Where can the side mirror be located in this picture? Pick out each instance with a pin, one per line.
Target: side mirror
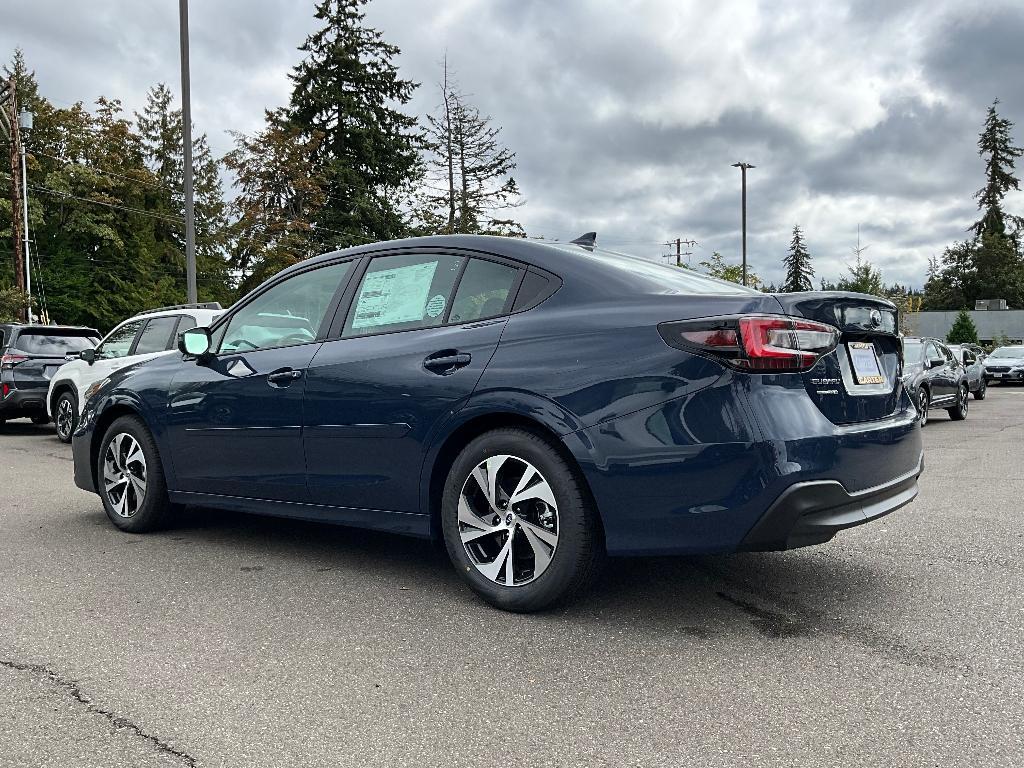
(89, 355)
(936, 362)
(195, 342)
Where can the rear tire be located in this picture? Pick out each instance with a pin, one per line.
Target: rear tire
(924, 403)
(959, 411)
(65, 416)
(981, 391)
(549, 544)
(130, 478)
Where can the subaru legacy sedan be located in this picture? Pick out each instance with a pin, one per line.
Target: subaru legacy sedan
(535, 406)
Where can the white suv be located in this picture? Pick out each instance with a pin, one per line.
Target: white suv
(142, 337)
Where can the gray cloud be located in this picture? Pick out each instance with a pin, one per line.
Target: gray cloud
(627, 117)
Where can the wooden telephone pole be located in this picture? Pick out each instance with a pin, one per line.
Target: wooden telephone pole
(10, 123)
(679, 242)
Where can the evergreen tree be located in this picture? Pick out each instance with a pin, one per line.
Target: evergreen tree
(864, 277)
(278, 199)
(798, 265)
(963, 331)
(161, 130)
(346, 88)
(996, 147)
(468, 171)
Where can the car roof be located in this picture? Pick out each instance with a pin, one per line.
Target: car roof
(195, 312)
(49, 328)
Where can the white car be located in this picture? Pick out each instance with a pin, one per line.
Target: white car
(139, 338)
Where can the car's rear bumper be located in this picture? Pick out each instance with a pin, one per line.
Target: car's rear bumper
(815, 511)
(23, 402)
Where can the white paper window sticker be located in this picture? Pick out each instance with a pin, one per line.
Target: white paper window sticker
(393, 296)
(435, 306)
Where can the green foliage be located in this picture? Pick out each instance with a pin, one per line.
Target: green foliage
(346, 90)
(990, 265)
(716, 266)
(864, 277)
(13, 303)
(963, 331)
(798, 265)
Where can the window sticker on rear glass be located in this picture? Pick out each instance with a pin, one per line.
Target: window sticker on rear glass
(865, 363)
(394, 295)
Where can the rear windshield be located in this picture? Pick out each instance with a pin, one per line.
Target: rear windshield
(662, 277)
(49, 343)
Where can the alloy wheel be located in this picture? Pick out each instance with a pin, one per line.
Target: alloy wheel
(924, 408)
(965, 398)
(65, 418)
(508, 520)
(124, 474)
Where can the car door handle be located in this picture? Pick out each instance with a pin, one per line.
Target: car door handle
(284, 377)
(447, 361)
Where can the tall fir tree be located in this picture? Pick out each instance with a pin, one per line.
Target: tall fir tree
(997, 149)
(347, 89)
(964, 330)
(798, 265)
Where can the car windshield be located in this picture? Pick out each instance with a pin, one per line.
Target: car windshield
(1008, 352)
(47, 343)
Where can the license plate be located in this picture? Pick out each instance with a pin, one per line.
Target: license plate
(998, 375)
(864, 359)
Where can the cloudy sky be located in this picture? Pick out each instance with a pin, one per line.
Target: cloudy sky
(626, 116)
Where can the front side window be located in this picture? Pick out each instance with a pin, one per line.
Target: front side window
(401, 293)
(156, 335)
(289, 313)
(119, 342)
(483, 291)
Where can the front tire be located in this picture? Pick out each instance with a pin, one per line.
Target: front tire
(924, 403)
(130, 477)
(959, 411)
(518, 523)
(66, 416)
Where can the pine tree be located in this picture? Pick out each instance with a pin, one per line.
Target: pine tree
(346, 89)
(278, 198)
(963, 331)
(864, 278)
(798, 265)
(996, 147)
(468, 171)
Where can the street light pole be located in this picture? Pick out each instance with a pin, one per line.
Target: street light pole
(186, 128)
(743, 171)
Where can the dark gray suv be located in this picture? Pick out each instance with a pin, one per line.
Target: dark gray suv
(29, 356)
(935, 378)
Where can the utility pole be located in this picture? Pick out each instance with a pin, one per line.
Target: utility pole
(679, 242)
(186, 129)
(25, 122)
(743, 170)
(9, 120)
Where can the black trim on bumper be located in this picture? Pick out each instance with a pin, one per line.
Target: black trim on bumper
(22, 403)
(815, 511)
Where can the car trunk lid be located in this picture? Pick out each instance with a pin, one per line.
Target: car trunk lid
(860, 380)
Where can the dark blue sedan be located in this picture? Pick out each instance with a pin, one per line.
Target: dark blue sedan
(537, 406)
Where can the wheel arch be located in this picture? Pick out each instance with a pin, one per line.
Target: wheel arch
(65, 385)
(459, 437)
(103, 421)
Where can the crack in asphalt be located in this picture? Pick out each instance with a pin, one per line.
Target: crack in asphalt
(47, 454)
(72, 688)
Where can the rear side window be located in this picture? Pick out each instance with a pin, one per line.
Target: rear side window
(119, 342)
(401, 293)
(43, 343)
(156, 336)
(483, 291)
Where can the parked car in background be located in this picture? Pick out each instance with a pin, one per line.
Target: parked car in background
(935, 378)
(30, 355)
(973, 363)
(139, 338)
(1005, 365)
(534, 405)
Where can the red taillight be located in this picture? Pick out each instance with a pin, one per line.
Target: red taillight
(7, 389)
(10, 360)
(767, 343)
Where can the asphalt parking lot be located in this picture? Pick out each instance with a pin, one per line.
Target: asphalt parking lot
(242, 641)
